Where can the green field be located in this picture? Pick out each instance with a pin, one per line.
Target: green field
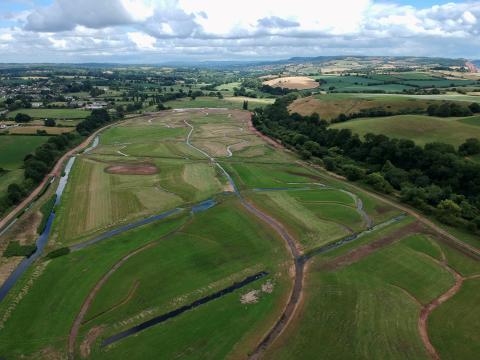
(419, 128)
(454, 327)
(360, 300)
(211, 102)
(13, 150)
(51, 113)
(366, 310)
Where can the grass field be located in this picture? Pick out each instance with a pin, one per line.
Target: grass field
(419, 128)
(329, 106)
(13, 149)
(455, 326)
(32, 325)
(364, 307)
(32, 130)
(366, 310)
(211, 102)
(51, 113)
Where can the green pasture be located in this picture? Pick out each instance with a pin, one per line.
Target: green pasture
(51, 113)
(454, 327)
(365, 310)
(212, 102)
(13, 149)
(419, 128)
(32, 324)
(215, 249)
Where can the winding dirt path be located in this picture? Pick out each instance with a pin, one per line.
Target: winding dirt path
(296, 294)
(292, 244)
(443, 234)
(428, 309)
(91, 296)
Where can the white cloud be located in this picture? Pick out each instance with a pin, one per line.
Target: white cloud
(249, 28)
(143, 41)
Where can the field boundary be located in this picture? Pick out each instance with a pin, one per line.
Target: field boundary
(55, 172)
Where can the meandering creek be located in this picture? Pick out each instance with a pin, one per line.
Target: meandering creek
(41, 241)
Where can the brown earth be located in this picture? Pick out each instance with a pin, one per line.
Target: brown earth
(91, 296)
(293, 82)
(267, 139)
(363, 251)
(86, 345)
(330, 107)
(127, 169)
(427, 310)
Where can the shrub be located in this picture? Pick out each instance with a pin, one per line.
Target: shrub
(59, 252)
(14, 248)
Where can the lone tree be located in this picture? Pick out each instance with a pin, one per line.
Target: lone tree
(245, 105)
(22, 118)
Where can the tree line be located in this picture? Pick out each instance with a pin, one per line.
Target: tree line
(38, 164)
(436, 178)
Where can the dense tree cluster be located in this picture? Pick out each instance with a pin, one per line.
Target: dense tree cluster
(435, 178)
(22, 118)
(447, 109)
(96, 119)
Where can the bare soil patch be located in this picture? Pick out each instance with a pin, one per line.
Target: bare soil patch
(293, 82)
(86, 345)
(91, 296)
(363, 251)
(427, 310)
(132, 169)
(249, 298)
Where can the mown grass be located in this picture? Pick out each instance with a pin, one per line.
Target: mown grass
(211, 102)
(45, 314)
(312, 224)
(225, 244)
(366, 310)
(94, 200)
(454, 327)
(52, 113)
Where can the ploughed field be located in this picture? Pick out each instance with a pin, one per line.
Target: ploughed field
(190, 235)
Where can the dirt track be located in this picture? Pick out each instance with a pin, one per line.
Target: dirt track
(363, 251)
(132, 169)
(427, 310)
(91, 296)
(443, 234)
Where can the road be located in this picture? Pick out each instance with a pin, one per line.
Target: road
(56, 171)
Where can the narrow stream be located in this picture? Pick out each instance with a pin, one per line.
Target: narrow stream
(41, 241)
(95, 143)
(124, 228)
(350, 238)
(162, 318)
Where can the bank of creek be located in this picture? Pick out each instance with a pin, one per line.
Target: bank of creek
(41, 241)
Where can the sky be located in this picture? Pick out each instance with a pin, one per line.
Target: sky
(156, 31)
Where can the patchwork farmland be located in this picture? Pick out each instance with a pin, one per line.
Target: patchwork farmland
(185, 234)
